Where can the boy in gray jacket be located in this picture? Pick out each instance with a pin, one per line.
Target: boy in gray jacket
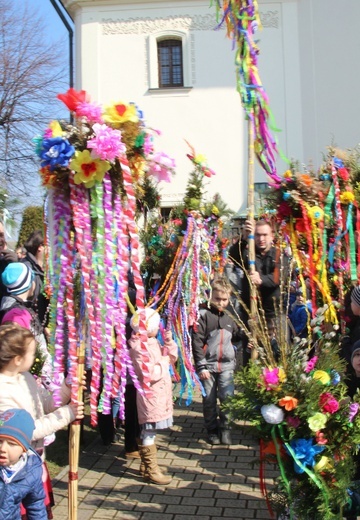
(214, 356)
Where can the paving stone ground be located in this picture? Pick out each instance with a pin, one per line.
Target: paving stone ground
(209, 482)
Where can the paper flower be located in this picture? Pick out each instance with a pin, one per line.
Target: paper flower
(88, 170)
(305, 179)
(322, 376)
(73, 97)
(317, 422)
(272, 414)
(328, 403)
(293, 421)
(305, 452)
(353, 410)
(288, 402)
(316, 213)
(311, 364)
(344, 174)
(323, 464)
(288, 174)
(106, 144)
(91, 111)
(120, 113)
(54, 130)
(320, 438)
(56, 152)
(271, 377)
(347, 197)
(161, 166)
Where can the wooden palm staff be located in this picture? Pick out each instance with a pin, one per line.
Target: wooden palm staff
(251, 238)
(74, 442)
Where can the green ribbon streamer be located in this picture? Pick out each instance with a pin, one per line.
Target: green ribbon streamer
(327, 215)
(353, 269)
(281, 467)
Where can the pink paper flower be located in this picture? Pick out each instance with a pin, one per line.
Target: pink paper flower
(328, 403)
(91, 111)
(271, 377)
(161, 166)
(106, 144)
(311, 364)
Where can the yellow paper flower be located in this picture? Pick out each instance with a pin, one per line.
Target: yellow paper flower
(200, 159)
(288, 174)
(56, 129)
(321, 376)
(214, 210)
(88, 170)
(120, 113)
(282, 375)
(316, 213)
(347, 197)
(323, 464)
(317, 421)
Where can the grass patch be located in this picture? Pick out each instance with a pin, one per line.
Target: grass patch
(57, 454)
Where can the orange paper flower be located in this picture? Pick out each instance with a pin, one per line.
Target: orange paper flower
(288, 402)
(306, 179)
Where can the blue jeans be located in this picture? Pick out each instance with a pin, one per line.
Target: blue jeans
(219, 385)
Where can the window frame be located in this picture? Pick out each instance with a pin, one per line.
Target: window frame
(153, 60)
(171, 43)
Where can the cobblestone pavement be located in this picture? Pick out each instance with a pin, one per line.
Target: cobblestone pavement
(209, 482)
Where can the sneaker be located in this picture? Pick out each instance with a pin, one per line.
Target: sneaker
(226, 437)
(213, 438)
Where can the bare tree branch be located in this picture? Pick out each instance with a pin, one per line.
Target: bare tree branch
(33, 72)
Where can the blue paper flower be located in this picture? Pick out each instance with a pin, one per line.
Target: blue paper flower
(305, 451)
(338, 163)
(286, 195)
(335, 377)
(56, 152)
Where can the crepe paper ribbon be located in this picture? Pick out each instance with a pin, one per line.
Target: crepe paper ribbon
(129, 217)
(266, 448)
(242, 19)
(120, 312)
(61, 257)
(352, 244)
(339, 230)
(281, 468)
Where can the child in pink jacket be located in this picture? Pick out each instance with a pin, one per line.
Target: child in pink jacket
(155, 405)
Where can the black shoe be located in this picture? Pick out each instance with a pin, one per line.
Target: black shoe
(213, 438)
(226, 437)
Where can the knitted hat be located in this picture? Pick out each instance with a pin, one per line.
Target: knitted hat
(355, 295)
(20, 316)
(355, 348)
(17, 278)
(152, 319)
(18, 425)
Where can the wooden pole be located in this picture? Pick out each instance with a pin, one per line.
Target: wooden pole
(74, 443)
(251, 217)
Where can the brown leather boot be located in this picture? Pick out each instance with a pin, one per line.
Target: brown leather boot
(152, 470)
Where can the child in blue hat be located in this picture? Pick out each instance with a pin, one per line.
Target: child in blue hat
(20, 468)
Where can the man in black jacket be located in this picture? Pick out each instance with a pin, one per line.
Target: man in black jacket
(266, 276)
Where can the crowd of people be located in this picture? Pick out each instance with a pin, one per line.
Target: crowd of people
(216, 339)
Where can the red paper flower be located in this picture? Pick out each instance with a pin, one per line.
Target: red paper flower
(344, 174)
(328, 403)
(72, 98)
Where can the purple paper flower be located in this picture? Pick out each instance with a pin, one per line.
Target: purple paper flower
(353, 410)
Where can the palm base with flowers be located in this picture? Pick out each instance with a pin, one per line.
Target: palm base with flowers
(300, 404)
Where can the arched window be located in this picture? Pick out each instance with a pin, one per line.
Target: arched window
(170, 63)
